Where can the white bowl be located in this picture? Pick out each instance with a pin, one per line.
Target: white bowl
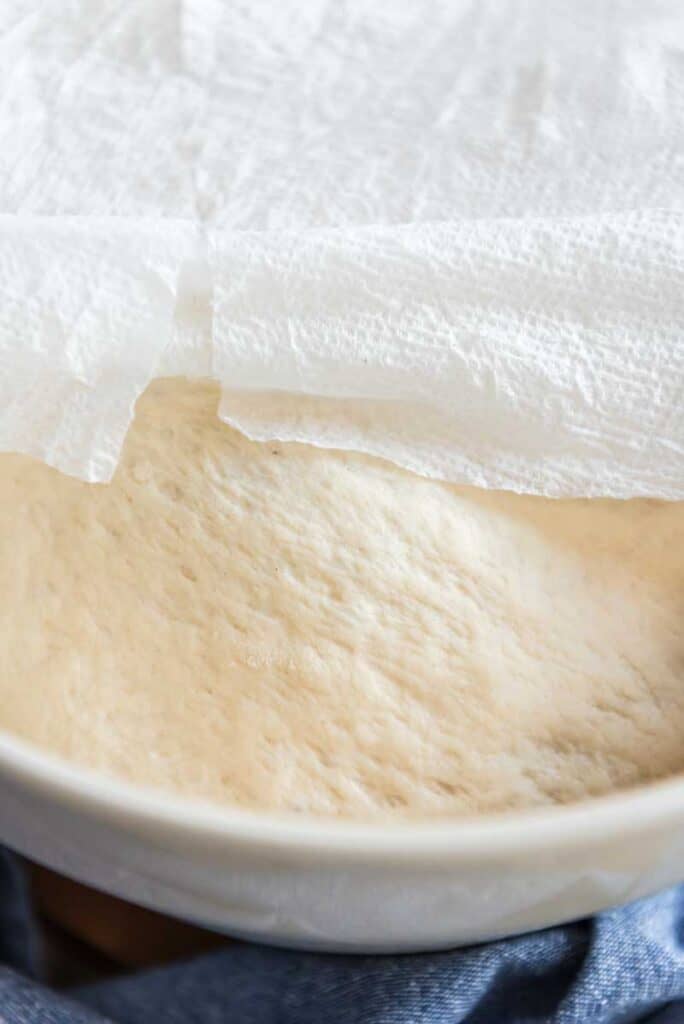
(335, 885)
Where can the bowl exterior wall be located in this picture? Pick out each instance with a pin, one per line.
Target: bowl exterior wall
(324, 900)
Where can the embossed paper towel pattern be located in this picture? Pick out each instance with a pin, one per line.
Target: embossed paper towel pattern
(449, 233)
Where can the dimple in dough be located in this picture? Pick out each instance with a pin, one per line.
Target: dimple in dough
(282, 627)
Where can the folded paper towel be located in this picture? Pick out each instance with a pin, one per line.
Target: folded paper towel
(447, 233)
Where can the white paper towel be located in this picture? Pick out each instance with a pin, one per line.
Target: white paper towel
(86, 309)
(446, 232)
(560, 373)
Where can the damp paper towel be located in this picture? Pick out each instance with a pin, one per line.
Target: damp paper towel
(450, 233)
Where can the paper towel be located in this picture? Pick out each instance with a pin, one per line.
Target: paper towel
(561, 374)
(86, 309)
(449, 233)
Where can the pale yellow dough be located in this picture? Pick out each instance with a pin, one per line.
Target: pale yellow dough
(278, 626)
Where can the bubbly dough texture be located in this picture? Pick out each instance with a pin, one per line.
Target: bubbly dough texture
(282, 627)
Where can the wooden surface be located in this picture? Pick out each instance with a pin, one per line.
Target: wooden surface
(110, 931)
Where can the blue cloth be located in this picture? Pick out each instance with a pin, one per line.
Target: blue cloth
(623, 966)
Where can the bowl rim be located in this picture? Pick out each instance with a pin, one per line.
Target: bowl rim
(477, 838)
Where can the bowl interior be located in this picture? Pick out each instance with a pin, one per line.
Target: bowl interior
(594, 820)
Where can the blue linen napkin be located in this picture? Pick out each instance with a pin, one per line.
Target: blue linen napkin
(622, 966)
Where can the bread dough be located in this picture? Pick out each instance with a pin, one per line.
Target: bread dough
(283, 627)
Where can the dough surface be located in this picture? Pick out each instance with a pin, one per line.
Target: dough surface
(282, 627)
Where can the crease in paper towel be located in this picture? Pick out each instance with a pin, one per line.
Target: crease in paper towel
(542, 356)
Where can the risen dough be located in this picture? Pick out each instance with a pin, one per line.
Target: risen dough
(283, 627)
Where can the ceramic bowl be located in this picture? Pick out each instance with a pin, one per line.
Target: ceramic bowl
(341, 886)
